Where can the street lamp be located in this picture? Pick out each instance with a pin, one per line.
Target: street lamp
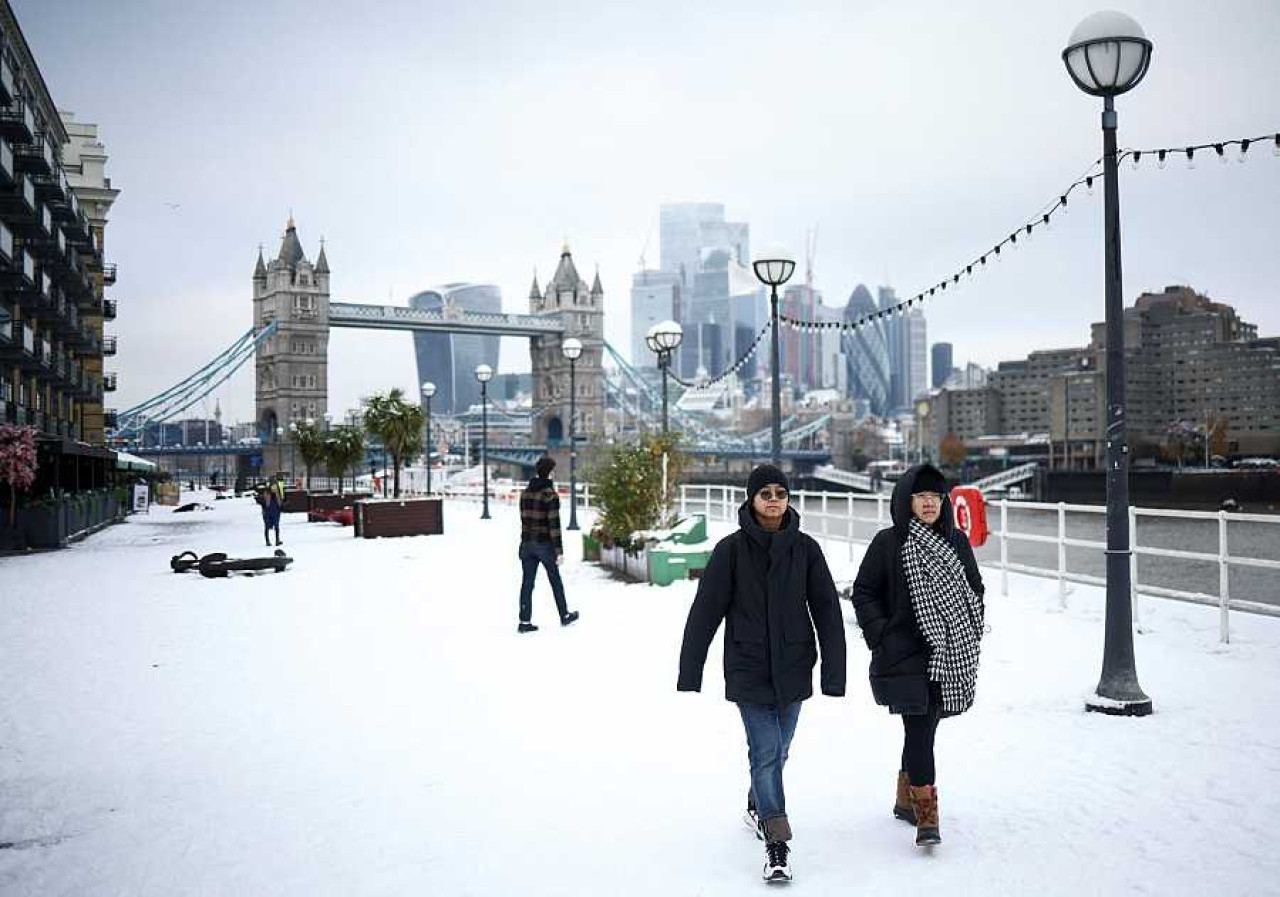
(428, 392)
(774, 267)
(663, 339)
(572, 348)
(484, 374)
(922, 412)
(1107, 55)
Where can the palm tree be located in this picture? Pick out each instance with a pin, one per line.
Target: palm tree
(311, 447)
(398, 424)
(344, 450)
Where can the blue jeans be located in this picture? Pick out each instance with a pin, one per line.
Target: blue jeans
(769, 732)
(531, 555)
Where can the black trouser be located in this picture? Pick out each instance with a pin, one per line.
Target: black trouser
(918, 731)
(531, 555)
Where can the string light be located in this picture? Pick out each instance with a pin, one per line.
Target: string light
(1026, 230)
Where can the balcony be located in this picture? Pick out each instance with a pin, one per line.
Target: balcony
(35, 156)
(78, 230)
(8, 87)
(18, 122)
(109, 275)
(75, 376)
(38, 226)
(7, 171)
(20, 348)
(21, 273)
(53, 188)
(109, 346)
(108, 309)
(109, 382)
(18, 199)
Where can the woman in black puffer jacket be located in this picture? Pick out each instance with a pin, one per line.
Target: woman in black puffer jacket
(770, 585)
(918, 597)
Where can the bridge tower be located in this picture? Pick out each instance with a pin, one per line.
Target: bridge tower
(579, 308)
(292, 367)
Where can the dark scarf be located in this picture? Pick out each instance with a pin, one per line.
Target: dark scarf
(950, 614)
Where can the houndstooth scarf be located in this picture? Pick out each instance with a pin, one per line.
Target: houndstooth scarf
(950, 614)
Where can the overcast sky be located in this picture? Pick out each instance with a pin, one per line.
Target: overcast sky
(436, 141)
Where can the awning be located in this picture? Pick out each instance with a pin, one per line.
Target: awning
(126, 461)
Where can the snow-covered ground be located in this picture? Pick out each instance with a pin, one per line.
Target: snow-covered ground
(369, 723)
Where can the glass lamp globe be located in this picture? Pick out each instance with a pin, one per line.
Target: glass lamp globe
(1107, 54)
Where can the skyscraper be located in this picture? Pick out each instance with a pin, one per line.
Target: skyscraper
(906, 335)
(687, 229)
(942, 360)
(866, 354)
(655, 297)
(449, 360)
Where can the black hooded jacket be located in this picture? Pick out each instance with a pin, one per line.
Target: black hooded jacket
(899, 653)
(772, 590)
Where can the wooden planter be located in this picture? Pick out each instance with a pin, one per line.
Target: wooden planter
(330, 501)
(295, 501)
(399, 517)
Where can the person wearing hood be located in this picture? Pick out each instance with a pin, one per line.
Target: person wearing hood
(770, 585)
(918, 598)
(540, 543)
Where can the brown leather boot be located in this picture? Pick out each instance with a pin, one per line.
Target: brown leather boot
(902, 802)
(924, 801)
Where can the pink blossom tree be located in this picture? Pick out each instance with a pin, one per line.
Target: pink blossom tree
(17, 462)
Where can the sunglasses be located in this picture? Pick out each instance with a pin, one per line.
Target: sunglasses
(772, 494)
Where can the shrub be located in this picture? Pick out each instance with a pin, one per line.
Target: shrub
(628, 488)
(17, 462)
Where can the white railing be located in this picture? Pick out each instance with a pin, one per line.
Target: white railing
(835, 516)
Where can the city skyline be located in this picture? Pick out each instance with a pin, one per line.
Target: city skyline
(251, 130)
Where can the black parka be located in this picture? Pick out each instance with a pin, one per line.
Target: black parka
(771, 590)
(899, 653)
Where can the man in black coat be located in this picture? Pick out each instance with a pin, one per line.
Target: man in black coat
(770, 584)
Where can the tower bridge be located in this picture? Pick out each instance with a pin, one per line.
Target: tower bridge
(294, 315)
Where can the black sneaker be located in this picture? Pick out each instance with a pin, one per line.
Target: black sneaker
(777, 864)
(526, 627)
(568, 618)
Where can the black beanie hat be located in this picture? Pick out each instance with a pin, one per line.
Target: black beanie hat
(928, 479)
(765, 475)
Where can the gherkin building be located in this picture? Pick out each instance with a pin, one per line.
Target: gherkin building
(866, 352)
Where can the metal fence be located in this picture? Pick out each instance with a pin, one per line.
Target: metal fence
(1055, 539)
(854, 518)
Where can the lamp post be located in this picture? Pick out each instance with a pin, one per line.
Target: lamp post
(572, 348)
(1107, 55)
(922, 412)
(774, 267)
(428, 390)
(484, 374)
(663, 339)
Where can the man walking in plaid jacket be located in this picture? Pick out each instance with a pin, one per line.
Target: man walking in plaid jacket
(540, 543)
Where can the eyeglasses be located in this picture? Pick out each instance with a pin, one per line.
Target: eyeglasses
(767, 494)
(933, 497)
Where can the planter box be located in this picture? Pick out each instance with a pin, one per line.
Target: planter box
(296, 501)
(45, 527)
(634, 566)
(12, 538)
(399, 517)
(329, 501)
